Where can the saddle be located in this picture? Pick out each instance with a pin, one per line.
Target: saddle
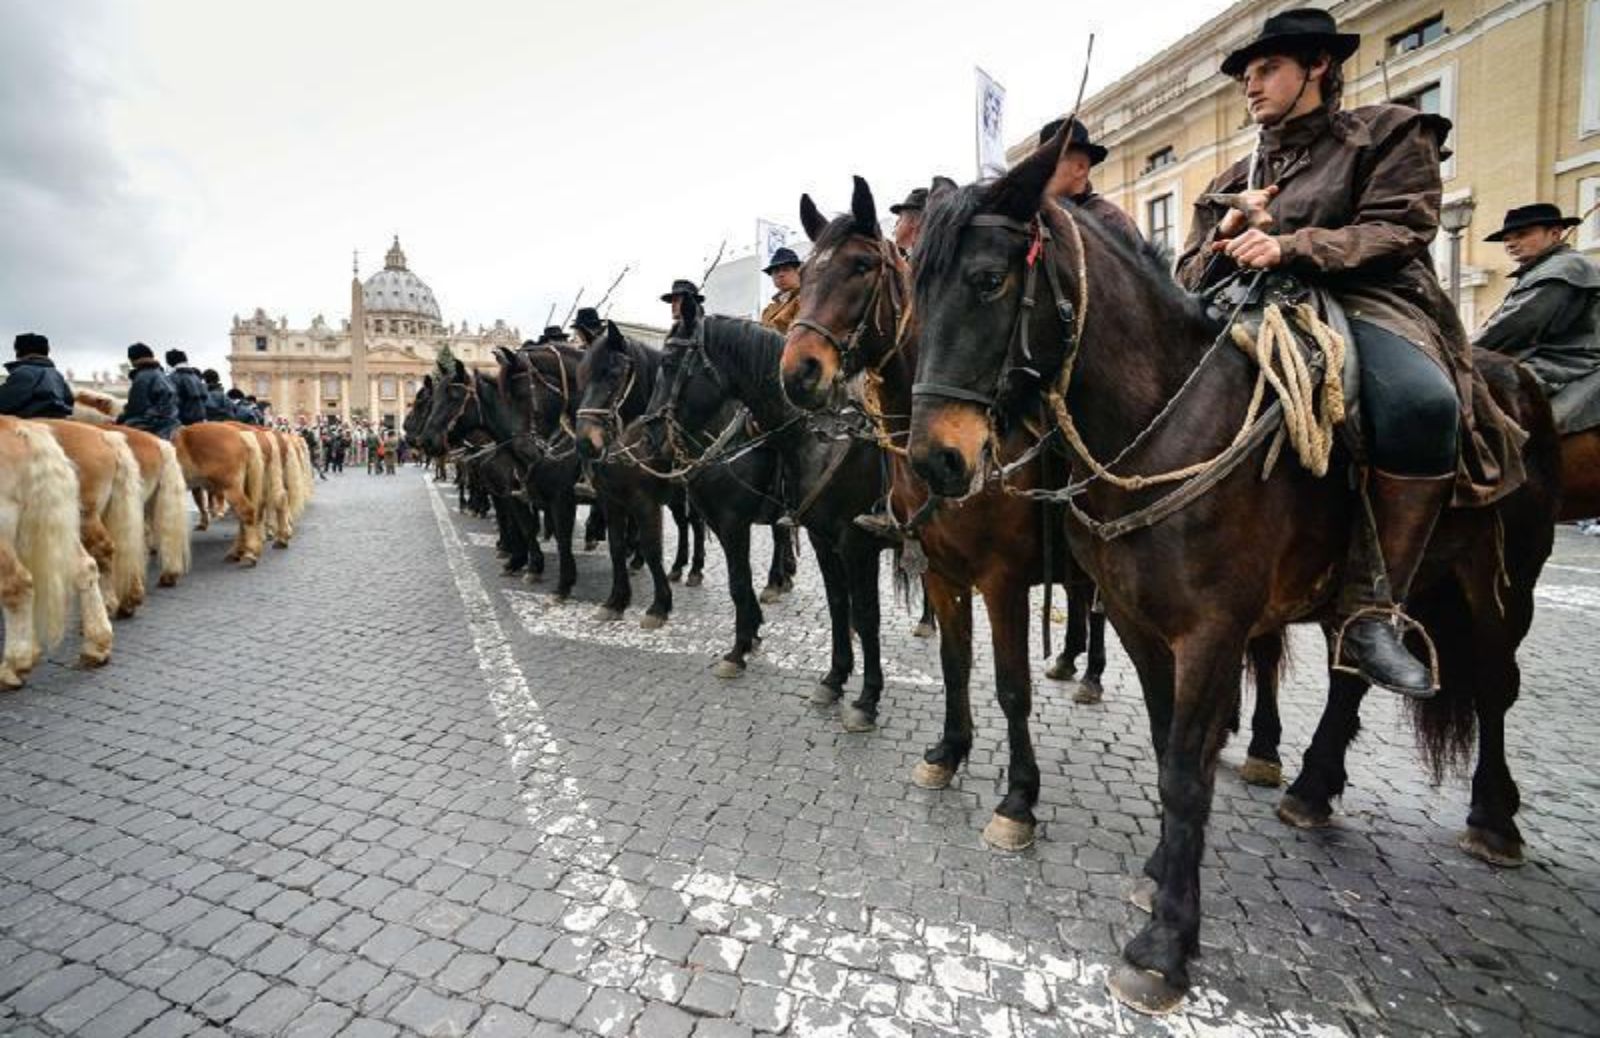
(1576, 405)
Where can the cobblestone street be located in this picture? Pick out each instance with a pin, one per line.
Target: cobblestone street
(374, 787)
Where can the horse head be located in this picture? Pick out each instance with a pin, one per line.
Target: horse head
(853, 296)
(453, 399)
(606, 376)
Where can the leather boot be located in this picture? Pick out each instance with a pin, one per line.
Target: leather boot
(882, 527)
(1397, 519)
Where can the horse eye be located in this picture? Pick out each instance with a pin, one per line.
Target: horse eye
(991, 281)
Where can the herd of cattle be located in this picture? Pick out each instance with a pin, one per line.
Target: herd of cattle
(86, 503)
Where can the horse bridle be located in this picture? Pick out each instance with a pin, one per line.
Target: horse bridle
(609, 415)
(693, 348)
(1019, 352)
(470, 389)
(846, 347)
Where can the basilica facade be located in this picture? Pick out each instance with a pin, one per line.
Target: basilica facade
(371, 365)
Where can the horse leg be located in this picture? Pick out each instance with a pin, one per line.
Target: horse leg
(1308, 804)
(527, 518)
(566, 516)
(95, 622)
(1206, 673)
(835, 585)
(97, 542)
(1076, 637)
(747, 610)
(1090, 690)
(1262, 765)
(779, 579)
(16, 602)
(594, 528)
(1012, 826)
(953, 605)
(926, 623)
(204, 522)
(861, 568)
(680, 519)
(697, 561)
(650, 545)
(621, 594)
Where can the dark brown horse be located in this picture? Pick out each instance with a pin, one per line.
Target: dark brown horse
(1580, 475)
(1188, 591)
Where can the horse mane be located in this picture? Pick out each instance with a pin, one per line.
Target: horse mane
(945, 220)
(753, 353)
(839, 229)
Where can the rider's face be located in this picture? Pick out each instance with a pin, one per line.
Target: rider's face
(1272, 88)
(1531, 242)
(786, 278)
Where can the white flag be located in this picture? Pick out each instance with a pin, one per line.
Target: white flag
(770, 237)
(991, 117)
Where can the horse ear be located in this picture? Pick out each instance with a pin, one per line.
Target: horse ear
(614, 336)
(864, 209)
(427, 381)
(940, 187)
(811, 218)
(1019, 193)
(690, 311)
(461, 372)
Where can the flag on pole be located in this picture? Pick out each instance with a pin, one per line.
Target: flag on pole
(991, 116)
(770, 237)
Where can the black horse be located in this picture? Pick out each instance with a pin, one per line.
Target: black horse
(1001, 267)
(719, 393)
(616, 377)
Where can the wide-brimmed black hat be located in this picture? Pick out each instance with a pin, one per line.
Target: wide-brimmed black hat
(1077, 139)
(554, 333)
(915, 202)
(588, 319)
(139, 351)
(1539, 214)
(781, 257)
(176, 357)
(680, 287)
(1304, 28)
(31, 344)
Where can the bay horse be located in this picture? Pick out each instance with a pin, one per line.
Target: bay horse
(218, 459)
(1112, 340)
(616, 377)
(43, 563)
(721, 374)
(1580, 475)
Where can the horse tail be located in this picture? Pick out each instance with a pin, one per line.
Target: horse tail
(172, 516)
(125, 523)
(1446, 724)
(254, 475)
(293, 485)
(902, 579)
(48, 544)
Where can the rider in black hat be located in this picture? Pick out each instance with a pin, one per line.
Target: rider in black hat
(784, 270)
(1070, 181)
(33, 387)
(1550, 320)
(217, 407)
(553, 333)
(152, 400)
(680, 288)
(191, 388)
(908, 219)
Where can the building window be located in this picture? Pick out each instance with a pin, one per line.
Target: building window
(263, 386)
(1158, 220)
(386, 387)
(1164, 157)
(330, 388)
(1589, 114)
(261, 344)
(1418, 36)
(1428, 99)
(1588, 197)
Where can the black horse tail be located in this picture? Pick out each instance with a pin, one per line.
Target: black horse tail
(902, 580)
(1446, 724)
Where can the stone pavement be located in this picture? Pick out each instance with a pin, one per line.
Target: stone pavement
(373, 787)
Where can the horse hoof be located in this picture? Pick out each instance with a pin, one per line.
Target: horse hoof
(726, 669)
(167, 580)
(9, 682)
(605, 614)
(1008, 834)
(855, 719)
(923, 630)
(92, 660)
(651, 622)
(1489, 846)
(1142, 895)
(675, 577)
(1061, 670)
(927, 775)
(1293, 811)
(1143, 991)
(1089, 692)
(825, 694)
(770, 594)
(531, 577)
(232, 556)
(694, 580)
(1258, 772)
(590, 545)
(280, 544)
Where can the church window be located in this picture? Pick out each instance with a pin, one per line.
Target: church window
(261, 344)
(1418, 36)
(386, 387)
(1159, 222)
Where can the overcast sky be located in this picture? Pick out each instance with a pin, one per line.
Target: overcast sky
(166, 165)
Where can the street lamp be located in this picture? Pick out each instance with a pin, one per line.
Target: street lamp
(1455, 218)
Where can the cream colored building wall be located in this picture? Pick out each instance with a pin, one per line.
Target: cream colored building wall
(1512, 77)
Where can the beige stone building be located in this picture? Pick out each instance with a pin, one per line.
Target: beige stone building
(1520, 79)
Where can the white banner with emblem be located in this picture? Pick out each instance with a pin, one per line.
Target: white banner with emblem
(991, 118)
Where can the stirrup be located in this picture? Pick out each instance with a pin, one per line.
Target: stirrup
(1396, 617)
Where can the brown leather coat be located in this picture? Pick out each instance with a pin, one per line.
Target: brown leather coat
(779, 313)
(1357, 207)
